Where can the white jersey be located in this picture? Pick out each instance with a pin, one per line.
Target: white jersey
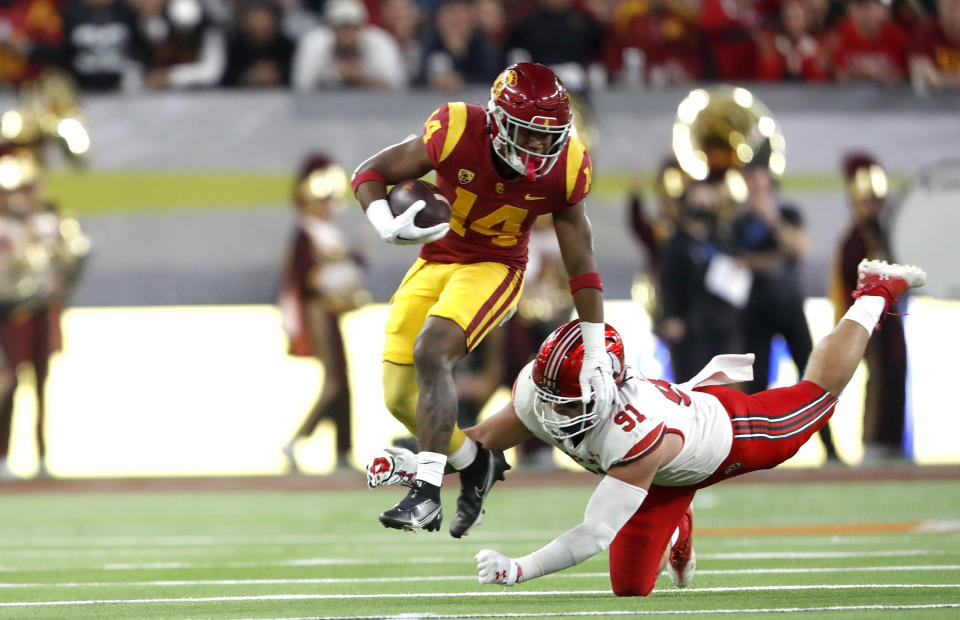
(646, 410)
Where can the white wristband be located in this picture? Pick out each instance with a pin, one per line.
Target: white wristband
(592, 334)
(379, 214)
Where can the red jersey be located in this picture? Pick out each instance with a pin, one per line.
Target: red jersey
(861, 57)
(25, 21)
(670, 41)
(930, 41)
(492, 214)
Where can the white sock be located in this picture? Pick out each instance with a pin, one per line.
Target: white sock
(866, 311)
(430, 467)
(462, 458)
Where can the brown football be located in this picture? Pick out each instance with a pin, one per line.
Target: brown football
(405, 193)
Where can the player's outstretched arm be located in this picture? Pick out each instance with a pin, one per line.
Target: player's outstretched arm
(501, 431)
(615, 500)
(576, 246)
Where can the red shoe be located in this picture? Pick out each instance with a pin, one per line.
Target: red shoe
(887, 280)
(683, 561)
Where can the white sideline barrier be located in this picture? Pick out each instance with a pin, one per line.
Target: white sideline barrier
(165, 391)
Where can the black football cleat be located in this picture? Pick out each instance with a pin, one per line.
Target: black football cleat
(475, 484)
(417, 511)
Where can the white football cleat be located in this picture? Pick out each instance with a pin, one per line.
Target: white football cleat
(887, 280)
(682, 563)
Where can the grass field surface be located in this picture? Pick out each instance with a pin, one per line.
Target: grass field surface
(855, 549)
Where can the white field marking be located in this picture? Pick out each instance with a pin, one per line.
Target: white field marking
(635, 612)
(137, 544)
(827, 539)
(334, 561)
(17, 540)
(435, 548)
(435, 578)
(117, 566)
(488, 593)
(819, 555)
(241, 540)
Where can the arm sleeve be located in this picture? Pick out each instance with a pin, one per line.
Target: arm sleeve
(313, 66)
(385, 59)
(208, 68)
(610, 507)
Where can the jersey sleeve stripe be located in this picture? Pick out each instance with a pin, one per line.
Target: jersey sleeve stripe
(575, 153)
(456, 124)
(645, 445)
(495, 308)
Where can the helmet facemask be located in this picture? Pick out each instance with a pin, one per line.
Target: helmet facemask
(556, 380)
(560, 426)
(506, 141)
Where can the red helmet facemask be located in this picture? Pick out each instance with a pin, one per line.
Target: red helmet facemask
(528, 102)
(556, 378)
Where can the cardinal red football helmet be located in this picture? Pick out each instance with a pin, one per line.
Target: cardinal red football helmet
(529, 97)
(556, 378)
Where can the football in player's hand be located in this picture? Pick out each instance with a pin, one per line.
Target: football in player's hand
(405, 193)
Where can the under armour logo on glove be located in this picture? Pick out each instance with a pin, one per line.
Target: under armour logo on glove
(494, 567)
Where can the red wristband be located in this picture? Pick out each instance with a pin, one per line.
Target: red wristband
(586, 280)
(363, 177)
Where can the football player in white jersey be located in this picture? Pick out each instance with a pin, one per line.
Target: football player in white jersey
(659, 442)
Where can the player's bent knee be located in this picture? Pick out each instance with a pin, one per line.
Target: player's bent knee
(632, 589)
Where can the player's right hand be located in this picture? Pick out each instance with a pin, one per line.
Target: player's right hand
(401, 230)
(400, 466)
(494, 567)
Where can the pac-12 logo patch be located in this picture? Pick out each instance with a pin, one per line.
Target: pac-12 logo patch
(732, 468)
(464, 176)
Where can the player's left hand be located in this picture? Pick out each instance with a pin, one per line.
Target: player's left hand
(596, 381)
(494, 567)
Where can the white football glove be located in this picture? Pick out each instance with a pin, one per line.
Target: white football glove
(400, 466)
(596, 374)
(494, 567)
(400, 229)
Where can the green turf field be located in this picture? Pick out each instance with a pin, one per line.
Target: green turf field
(822, 550)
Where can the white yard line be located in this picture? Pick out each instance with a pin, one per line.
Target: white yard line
(436, 578)
(460, 558)
(650, 612)
(17, 540)
(488, 593)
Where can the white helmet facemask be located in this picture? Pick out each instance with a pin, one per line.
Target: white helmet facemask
(559, 426)
(525, 161)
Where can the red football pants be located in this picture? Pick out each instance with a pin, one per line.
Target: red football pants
(768, 428)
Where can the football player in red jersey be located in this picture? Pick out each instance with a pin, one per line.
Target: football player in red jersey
(658, 443)
(500, 167)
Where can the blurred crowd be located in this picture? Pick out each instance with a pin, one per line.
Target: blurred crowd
(723, 251)
(110, 45)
